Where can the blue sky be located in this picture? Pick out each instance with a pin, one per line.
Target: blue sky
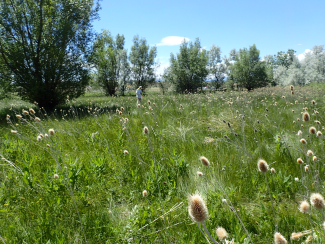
(271, 25)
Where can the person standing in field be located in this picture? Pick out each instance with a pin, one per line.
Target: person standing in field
(138, 94)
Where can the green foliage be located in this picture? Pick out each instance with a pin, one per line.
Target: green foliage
(188, 69)
(143, 63)
(249, 71)
(110, 60)
(43, 44)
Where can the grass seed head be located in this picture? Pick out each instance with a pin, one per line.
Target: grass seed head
(279, 239)
(32, 111)
(221, 233)
(144, 193)
(300, 161)
(51, 132)
(296, 236)
(312, 130)
(197, 209)
(204, 161)
(262, 166)
(317, 201)
(305, 116)
(304, 207)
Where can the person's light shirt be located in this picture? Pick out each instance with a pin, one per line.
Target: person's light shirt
(139, 92)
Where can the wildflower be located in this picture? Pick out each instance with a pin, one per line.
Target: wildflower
(300, 161)
(48, 145)
(304, 207)
(37, 119)
(145, 130)
(313, 102)
(317, 122)
(317, 200)
(303, 141)
(299, 133)
(197, 209)
(221, 233)
(122, 109)
(46, 135)
(291, 88)
(314, 158)
(310, 153)
(305, 116)
(56, 176)
(199, 173)
(25, 112)
(312, 130)
(306, 168)
(18, 116)
(296, 179)
(323, 225)
(204, 161)
(224, 200)
(39, 138)
(32, 111)
(144, 193)
(51, 132)
(138, 105)
(125, 152)
(279, 239)
(262, 166)
(319, 133)
(14, 131)
(272, 170)
(296, 102)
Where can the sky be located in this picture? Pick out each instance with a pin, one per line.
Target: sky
(272, 25)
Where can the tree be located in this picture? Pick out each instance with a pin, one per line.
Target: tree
(109, 57)
(314, 65)
(188, 69)
(249, 71)
(284, 59)
(44, 45)
(217, 69)
(143, 63)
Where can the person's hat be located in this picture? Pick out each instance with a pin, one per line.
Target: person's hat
(140, 87)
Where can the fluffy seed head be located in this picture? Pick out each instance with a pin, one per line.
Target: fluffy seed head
(125, 152)
(197, 209)
(199, 173)
(221, 233)
(310, 153)
(303, 141)
(144, 193)
(306, 168)
(291, 88)
(51, 132)
(37, 119)
(39, 138)
(313, 102)
(296, 179)
(262, 166)
(273, 171)
(56, 176)
(305, 116)
(25, 112)
(323, 225)
(299, 133)
(145, 130)
(279, 239)
(300, 161)
(296, 236)
(319, 133)
(204, 161)
(312, 130)
(32, 111)
(18, 116)
(317, 201)
(304, 207)
(314, 158)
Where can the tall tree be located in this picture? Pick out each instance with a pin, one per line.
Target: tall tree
(109, 57)
(44, 43)
(249, 71)
(188, 69)
(217, 69)
(143, 63)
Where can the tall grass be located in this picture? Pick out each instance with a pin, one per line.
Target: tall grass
(85, 183)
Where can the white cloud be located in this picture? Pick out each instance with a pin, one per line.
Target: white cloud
(302, 55)
(172, 41)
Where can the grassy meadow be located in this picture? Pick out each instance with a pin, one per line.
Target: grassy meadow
(85, 183)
